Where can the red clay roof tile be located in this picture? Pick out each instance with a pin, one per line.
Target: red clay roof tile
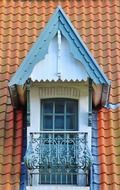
(98, 24)
(109, 148)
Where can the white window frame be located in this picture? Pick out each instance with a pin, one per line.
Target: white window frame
(78, 91)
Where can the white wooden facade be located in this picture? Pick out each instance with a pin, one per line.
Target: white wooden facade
(59, 75)
(78, 91)
(59, 63)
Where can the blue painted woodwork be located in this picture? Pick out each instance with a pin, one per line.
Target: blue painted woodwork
(59, 21)
(23, 177)
(95, 171)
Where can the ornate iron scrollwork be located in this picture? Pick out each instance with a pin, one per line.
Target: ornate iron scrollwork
(61, 152)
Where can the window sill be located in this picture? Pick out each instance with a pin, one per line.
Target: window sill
(57, 187)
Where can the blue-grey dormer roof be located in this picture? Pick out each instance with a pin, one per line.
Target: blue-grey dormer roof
(59, 21)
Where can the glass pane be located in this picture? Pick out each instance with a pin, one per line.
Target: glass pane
(47, 122)
(70, 122)
(28, 101)
(71, 107)
(59, 107)
(59, 122)
(28, 119)
(48, 107)
(59, 135)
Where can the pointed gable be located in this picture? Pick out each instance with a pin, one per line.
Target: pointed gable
(59, 22)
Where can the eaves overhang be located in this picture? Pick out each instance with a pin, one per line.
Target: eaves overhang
(59, 21)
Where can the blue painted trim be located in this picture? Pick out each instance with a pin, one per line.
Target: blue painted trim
(59, 21)
(95, 172)
(112, 106)
(23, 177)
(81, 45)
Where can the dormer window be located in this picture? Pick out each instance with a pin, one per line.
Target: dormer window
(63, 79)
(59, 136)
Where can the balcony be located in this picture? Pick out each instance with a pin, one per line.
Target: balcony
(58, 158)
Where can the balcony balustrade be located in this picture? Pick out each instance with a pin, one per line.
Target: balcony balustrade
(57, 157)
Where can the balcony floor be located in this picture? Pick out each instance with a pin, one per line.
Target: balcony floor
(57, 187)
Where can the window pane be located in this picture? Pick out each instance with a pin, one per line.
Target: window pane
(47, 122)
(48, 107)
(71, 107)
(59, 122)
(70, 122)
(59, 107)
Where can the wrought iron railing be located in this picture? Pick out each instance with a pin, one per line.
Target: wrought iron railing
(58, 154)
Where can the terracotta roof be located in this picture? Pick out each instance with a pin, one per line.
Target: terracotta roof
(98, 23)
(109, 148)
(10, 147)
